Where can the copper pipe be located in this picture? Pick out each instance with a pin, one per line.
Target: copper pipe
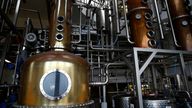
(60, 15)
(181, 23)
(140, 25)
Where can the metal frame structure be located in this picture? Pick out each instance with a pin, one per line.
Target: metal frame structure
(12, 25)
(154, 52)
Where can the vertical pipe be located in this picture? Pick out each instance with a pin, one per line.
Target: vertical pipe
(107, 39)
(17, 64)
(126, 24)
(154, 79)
(88, 32)
(91, 64)
(9, 37)
(3, 56)
(183, 70)
(99, 65)
(111, 31)
(2, 4)
(102, 39)
(116, 15)
(6, 10)
(159, 19)
(80, 23)
(28, 27)
(100, 94)
(17, 9)
(40, 21)
(178, 79)
(171, 24)
(104, 103)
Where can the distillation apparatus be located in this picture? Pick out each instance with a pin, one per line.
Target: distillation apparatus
(107, 54)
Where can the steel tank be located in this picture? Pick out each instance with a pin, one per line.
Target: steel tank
(123, 101)
(140, 23)
(56, 78)
(100, 18)
(158, 103)
(181, 23)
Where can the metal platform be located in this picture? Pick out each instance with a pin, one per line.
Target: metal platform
(157, 54)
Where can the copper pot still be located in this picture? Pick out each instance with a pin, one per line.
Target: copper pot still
(181, 23)
(55, 78)
(141, 26)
